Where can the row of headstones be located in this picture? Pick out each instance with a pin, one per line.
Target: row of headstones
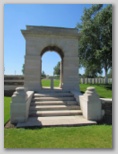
(81, 80)
(94, 80)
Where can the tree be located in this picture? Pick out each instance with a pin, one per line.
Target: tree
(43, 75)
(57, 69)
(110, 73)
(95, 44)
(92, 71)
(105, 51)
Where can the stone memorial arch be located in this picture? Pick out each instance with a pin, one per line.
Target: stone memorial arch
(64, 41)
(67, 104)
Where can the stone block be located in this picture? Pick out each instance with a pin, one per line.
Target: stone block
(91, 105)
(19, 108)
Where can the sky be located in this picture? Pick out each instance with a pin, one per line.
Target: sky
(17, 16)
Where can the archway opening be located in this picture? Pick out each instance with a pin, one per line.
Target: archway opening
(51, 67)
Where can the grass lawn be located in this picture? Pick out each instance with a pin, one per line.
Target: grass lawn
(46, 82)
(7, 101)
(104, 91)
(99, 136)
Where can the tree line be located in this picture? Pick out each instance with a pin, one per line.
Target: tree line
(95, 43)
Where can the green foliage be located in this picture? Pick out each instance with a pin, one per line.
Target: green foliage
(104, 53)
(43, 75)
(99, 136)
(57, 69)
(110, 73)
(95, 44)
(91, 71)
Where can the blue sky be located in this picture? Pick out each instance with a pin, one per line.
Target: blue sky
(17, 16)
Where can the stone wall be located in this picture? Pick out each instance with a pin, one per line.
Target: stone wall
(11, 82)
(95, 108)
(107, 107)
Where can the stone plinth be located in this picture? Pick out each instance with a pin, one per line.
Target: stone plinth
(20, 105)
(91, 105)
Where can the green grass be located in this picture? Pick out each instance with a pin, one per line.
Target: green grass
(103, 90)
(99, 136)
(7, 101)
(46, 82)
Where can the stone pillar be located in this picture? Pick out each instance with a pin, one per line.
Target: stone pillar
(51, 83)
(40, 82)
(70, 73)
(32, 78)
(18, 106)
(61, 74)
(91, 105)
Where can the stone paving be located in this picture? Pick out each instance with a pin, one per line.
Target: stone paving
(56, 121)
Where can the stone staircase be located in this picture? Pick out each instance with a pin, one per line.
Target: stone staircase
(56, 108)
(54, 104)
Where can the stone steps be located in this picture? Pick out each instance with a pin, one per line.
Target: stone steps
(65, 94)
(54, 104)
(54, 91)
(55, 113)
(56, 121)
(53, 98)
(54, 107)
(34, 103)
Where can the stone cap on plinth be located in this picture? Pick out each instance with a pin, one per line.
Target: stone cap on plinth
(19, 95)
(20, 89)
(91, 88)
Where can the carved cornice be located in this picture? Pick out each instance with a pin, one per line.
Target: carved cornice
(36, 31)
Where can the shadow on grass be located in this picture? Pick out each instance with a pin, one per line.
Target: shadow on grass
(108, 86)
(82, 92)
(105, 121)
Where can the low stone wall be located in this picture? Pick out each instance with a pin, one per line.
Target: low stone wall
(107, 107)
(11, 82)
(9, 93)
(95, 108)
